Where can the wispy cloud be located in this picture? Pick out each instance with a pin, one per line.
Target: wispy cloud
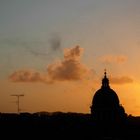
(36, 47)
(121, 80)
(119, 59)
(45, 48)
(55, 42)
(27, 76)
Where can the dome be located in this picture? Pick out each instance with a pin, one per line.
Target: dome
(105, 103)
(105, 97)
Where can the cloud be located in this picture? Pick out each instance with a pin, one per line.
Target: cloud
(45, 48)
(37, 51)
(55, 42)
(36, 47)
(68, 69)
(119, 59)
(121, 80)
(27, 76)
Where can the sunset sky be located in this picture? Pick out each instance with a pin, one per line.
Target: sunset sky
(55, 52)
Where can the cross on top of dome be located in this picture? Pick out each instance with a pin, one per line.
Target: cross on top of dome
(105, 72)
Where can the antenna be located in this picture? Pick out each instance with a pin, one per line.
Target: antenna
(18, 96)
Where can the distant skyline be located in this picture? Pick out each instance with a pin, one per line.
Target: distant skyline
(55, 52)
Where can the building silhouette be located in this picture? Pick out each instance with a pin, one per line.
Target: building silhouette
(106, 106)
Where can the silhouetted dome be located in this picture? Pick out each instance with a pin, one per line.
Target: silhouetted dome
(105, 103)
(105, 97)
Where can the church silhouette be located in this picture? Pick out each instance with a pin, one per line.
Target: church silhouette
(106, 107)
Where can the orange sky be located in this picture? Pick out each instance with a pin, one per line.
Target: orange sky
(66, 96)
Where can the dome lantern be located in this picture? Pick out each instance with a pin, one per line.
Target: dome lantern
(105, 81)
